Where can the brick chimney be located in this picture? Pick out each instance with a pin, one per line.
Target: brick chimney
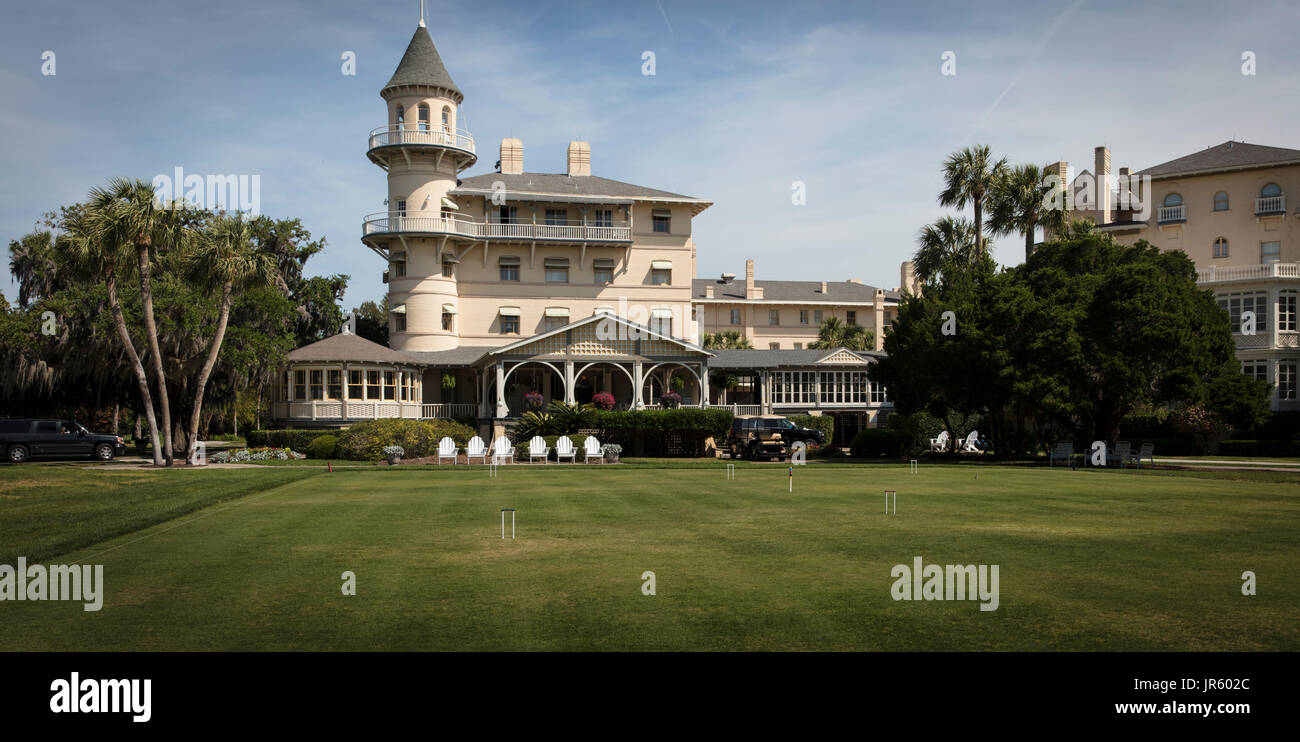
(512, 157)
(751, 291)
(1103, 184)
(879, 305)
(1125, 198)
(579, 158)
(708, 292)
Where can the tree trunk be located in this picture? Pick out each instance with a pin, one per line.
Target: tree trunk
(208, 364)
(137, 426)
(979, 222)
(141, 378)
(151, 329)
(1029, 243)
(117, 416)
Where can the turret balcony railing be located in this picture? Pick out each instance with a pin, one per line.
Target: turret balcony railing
(397, 223)
(416, 135)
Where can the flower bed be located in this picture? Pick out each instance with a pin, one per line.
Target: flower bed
(254, 454)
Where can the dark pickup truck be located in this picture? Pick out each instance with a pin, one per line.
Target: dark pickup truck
(21, 440)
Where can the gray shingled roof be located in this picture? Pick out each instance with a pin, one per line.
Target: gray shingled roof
(421, 65)
(1227, 156)
(776, 358)
(562, 184)
(792, 291)
(348, 348)
(462, 356)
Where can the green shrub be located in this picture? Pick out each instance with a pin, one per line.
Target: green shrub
(824, 423)
(365, 441)
(298, 440)
(521, 447)
(323, 447)
(1259, 448)
(916, 430)
(876, 442)
(674, 432)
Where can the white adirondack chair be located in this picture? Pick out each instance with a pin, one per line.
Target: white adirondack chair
(940, 443)
(502, 450)
(969, 443)
(537, 448)
(476, 450)
(564, 450)
(592, 450)
(446, 450)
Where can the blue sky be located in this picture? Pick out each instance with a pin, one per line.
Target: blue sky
(748, 98)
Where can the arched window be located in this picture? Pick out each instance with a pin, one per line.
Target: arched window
(1270, 190)
(424, 117)
(401, 114)
(1221, 248)
(446, 117)
(1173, 199)
(1221, 201)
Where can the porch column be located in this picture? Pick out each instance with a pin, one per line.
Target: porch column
(568, 381)
(502, 410)
(397, 394)
(817, 388)
(637, 380)
(482, 393)
(343, 393)
(704, 385)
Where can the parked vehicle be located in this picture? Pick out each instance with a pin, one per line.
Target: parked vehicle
(756, 438)
(25, 439)
(791, 432)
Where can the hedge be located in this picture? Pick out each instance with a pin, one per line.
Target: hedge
(1259, 448)
(875, 442)
(824, 423)
(675, 432)
(298, 440)
(323, 447)
(521, 447)
(365, 441)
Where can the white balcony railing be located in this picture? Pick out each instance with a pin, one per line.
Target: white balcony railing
(395, 223)
(414, 135)
(1172, 214)
(1219, 274)
(1270, 204)
(448, 411)
(340, 410)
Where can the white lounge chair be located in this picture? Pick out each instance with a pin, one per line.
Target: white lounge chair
(592, 450)
(1121, 454)
(1064, 452)
(940, 443)
(564, 450)
(476, 450)
(537, 448)
(969, 443)
(503, 450)
(447, 450)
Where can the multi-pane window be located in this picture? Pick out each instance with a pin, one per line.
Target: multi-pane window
(317, 384)
(557, 217)
(551, 323)
(844, 387)
(735, 316)
(401, 207)
(1246, 301)
(798, 346)
(602, 270)
(354, 384)
(509, 325)
(1270, 252)
(1286, 311)
(850, 317)
(424, 117)
(662, 323)
(878, 395)
(399, 322)
(399, 265)
(334, 384)
(447, 321)
(774, 316)
(794, 387)
(509, 266)
(1221, 248)
(817, 317)
(803, 316)
(508, 215)
(1286, 378)
(557, 270)
(603, 218)
(661, 276)
(1255, 369)
(372, 384)
(447, 270)
(390, 385)
(1221, 201)
(662, 220)
(300, 384)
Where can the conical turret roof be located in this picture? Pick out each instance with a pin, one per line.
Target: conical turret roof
(421, 65)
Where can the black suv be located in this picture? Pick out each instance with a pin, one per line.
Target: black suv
(752, 438)
(789, 431)
(21, 440)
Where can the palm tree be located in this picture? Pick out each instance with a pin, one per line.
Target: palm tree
(125, 213)
(968, 175)
(726, 340)
(835, 333)
(85, 247)
(949, 243)
(225, 255)
(1020, 202)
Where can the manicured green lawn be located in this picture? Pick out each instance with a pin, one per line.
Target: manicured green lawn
(1089, 560)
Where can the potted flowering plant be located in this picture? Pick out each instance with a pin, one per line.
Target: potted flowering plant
(394, 454)
(603, 400)
(611, 451)
(670, 400)
(534, 400)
